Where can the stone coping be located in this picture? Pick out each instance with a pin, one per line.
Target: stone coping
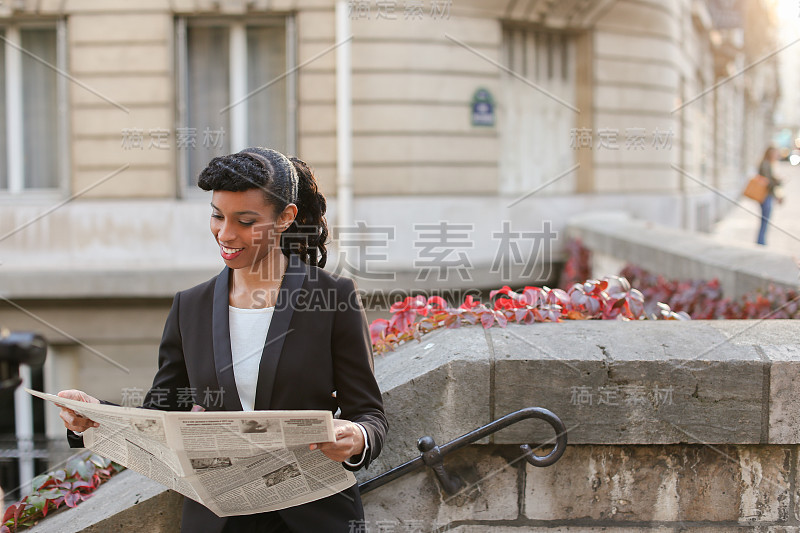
(83, 283)
(681, 254)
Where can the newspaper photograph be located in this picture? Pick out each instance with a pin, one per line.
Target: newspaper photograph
(233, 462)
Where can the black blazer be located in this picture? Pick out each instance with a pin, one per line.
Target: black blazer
(318, 342)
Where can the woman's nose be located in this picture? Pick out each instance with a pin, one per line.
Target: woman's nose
(225, 233)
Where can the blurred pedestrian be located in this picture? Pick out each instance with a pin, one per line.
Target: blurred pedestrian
(766, 170)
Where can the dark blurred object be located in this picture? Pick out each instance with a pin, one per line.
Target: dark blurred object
(18, 348)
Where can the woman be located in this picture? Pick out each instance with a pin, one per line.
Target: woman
(271, 331)
(765, 169)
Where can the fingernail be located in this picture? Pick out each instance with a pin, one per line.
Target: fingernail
(312, 447)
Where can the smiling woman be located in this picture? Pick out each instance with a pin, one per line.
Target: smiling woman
(254, 219)
(239, 334)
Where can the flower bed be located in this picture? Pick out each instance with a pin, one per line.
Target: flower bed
(703, 300)
(613, 298)
(69, 486)
(609, 299)
(700, 299)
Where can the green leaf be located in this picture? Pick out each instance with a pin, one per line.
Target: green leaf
(51, 494)
(37, 501)
(74, 462)
(99, 460)
(86, 469)
(38, 481)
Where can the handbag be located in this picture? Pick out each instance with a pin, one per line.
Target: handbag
(757, 188)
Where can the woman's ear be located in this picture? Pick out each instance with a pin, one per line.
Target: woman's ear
(286, 218)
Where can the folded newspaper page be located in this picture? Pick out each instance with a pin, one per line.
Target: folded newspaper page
(232, 462)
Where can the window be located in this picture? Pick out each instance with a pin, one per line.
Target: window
(235, 89)
(32, 97)
(538, 119)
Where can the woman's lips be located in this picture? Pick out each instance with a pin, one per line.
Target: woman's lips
(229, 253)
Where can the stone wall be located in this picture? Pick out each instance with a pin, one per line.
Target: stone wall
(673, 426)
(617, 238)
(593, 488)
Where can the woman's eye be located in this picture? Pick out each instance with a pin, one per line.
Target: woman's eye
(214, 215)
(247, 222)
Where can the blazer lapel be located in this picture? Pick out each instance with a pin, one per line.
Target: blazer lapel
(221, 333)
(288, 297)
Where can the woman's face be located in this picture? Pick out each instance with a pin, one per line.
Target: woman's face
(246, 227)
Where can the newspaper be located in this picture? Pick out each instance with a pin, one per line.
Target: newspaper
(232, 462)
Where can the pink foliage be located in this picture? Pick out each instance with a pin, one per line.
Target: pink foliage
(608, 299)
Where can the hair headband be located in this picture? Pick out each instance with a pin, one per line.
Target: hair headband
(261, 158)
(268, 166)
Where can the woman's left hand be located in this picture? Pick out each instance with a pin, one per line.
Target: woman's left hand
(349, 441)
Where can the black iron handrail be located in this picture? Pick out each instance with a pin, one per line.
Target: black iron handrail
(432, 455)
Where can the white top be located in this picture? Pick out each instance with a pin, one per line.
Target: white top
(248, 328)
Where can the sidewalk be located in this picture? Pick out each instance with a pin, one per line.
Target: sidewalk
(783, 234)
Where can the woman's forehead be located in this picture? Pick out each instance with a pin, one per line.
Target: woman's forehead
(250, 199)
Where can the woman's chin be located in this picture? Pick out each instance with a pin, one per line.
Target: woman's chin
(255, 264)
(236, 262)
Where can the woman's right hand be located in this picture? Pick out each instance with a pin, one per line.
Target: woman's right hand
(73, 420)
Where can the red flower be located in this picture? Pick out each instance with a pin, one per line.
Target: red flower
(378, 329)
(508, 303)
(436, 303)
(469, 303)
(505, 290)
(405, 312)
(415, 303)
